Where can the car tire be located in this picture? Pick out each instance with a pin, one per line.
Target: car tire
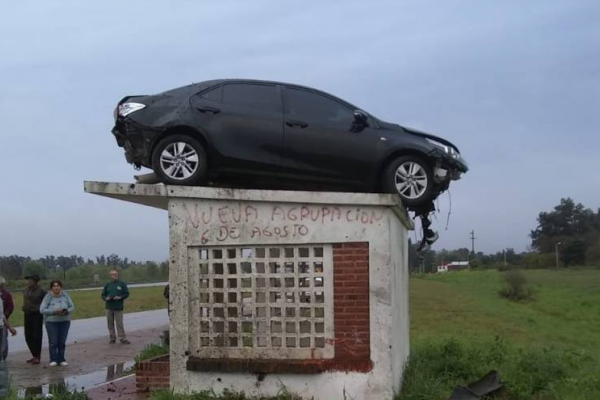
(411, 178)
(179, 160)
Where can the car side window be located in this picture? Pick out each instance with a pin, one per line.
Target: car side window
(213, 94)
(316, 107)
(252, 96)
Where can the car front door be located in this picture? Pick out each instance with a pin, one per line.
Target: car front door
(244, 123)
(323, 141)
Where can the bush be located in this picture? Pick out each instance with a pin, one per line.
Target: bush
(538, 261)
(516, 287)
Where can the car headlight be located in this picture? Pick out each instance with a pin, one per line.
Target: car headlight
(446, 149)
(127, 108)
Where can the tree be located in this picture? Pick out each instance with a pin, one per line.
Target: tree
(32, 267)
(568, 221)
(573, 252)
(592, 255)
(113, 260)
(11, 267)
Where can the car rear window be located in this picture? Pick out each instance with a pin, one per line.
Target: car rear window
(316, 107)
(256, 97)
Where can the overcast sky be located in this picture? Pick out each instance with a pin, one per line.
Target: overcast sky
(516, 85)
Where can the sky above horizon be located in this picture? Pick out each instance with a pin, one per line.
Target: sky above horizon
(516, 85)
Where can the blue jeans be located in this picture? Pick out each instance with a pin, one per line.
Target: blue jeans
(57, 338)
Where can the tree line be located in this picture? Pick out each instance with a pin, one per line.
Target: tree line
(570, 231)
(15, 267)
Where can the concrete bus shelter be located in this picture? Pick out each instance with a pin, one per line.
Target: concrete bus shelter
(306, 291)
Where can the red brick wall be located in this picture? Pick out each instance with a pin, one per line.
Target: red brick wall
(153, 374)
(352, 336)
(351, 307)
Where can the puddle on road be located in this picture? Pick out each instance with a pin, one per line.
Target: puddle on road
(80, 382)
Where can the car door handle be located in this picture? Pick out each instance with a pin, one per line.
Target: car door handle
(291, 122)
(204, 109)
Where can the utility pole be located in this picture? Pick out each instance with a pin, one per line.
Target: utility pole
(472, 254)
(473, 242)
(556, 251)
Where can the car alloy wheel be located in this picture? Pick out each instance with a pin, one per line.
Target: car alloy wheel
(179, 161)
(411, 180)
(410, 177)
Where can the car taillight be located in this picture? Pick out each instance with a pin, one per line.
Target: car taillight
(127, 108)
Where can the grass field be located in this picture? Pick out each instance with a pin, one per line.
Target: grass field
(547, 348)
(88, 303)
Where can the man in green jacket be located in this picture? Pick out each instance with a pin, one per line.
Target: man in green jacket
(114, 293)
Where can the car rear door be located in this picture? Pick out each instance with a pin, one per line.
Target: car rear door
(322, 140)
(244, 123)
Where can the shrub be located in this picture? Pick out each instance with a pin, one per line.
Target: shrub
(538, 261)
(516, 287)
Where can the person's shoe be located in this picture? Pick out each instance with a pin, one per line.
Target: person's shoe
(431, 239)
(35, 361)
(31, 360)
(125, 341)
(112, 341)
(423, 246)
(53, 364)
(64, 364)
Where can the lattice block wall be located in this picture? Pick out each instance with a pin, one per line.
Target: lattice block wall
(261, 302)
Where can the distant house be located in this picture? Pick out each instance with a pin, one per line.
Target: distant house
(453, 266)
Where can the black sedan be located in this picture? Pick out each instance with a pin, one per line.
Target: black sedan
(254, 131)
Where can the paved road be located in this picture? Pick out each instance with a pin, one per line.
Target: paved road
(94, 328)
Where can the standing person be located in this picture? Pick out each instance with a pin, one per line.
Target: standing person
(33, 322)
(166, 295)
(5, 325)
(114, 293)
(56, 308)
(8, 305)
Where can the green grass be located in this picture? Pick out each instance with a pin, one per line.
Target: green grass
(565, 312)
(151, 351)
(547, 348)
(88, 303)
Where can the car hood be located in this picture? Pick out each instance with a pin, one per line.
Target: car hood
(415, 132)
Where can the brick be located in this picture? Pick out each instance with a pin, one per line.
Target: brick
(343, 252)
(340, 266)
(355, 245)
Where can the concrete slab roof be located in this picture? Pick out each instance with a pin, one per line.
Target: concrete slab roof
(158, 196)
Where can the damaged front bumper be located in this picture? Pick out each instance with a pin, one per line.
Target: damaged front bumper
(448, 167)
(135, 139)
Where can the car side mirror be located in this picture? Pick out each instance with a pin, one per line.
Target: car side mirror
(361, 117)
